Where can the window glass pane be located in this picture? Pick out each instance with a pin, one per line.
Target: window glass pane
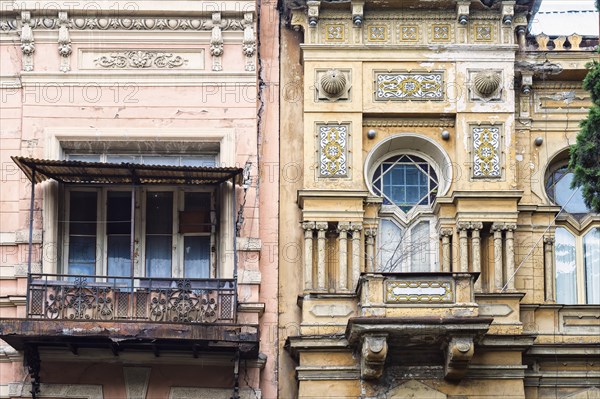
(566, 282)
(199, 160)
(159, 230)
(390, 247)
(119, 255)
(562, 193)
(420, 252)
(158, 256)
(82, 255)
(123, 158)
(161, 160)
(84, 157)
(118, 209)
(196, 256)
(591, 250)
(82, 213)
(159, 212)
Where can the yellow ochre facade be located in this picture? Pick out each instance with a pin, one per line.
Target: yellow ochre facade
(430, 245)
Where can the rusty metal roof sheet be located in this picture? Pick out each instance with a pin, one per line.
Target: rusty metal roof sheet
(78, 172)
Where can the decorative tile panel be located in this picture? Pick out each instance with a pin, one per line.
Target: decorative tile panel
(486, 151)
(483, 33)
(417, 291)
(441, 33)
(409, 33)
(377, 33)
(333, 150)
(335, 33)
(409, 86)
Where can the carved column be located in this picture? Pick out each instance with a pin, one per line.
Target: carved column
(356, 229)
(343, 228)
(216, 42)
(509, 277)
(370, 235)
(498, 272)
(321, 230)
(64, 42)
(463, 242)
(373, 354)
(476, 254)
(27, 42)
(249, 41)
(308, 254)
(549, 272)
(446, 234)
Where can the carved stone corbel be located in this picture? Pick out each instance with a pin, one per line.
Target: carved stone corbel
(27, 42)
(508, 12)
(526, 82)
(64, 42)
(357, 12)
(313, 12)
(373, 354)
(462, 11)
(216, 42)
(249, 41)
(459, 353)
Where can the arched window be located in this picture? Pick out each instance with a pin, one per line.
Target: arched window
(577, 246)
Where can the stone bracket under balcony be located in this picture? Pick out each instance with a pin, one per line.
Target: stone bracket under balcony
(447, 340)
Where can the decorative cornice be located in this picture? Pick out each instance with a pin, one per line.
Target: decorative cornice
(408, 122)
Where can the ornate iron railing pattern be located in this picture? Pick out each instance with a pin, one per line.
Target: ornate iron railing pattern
(79, 297)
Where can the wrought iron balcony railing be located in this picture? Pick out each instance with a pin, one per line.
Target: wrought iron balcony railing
(109, 298)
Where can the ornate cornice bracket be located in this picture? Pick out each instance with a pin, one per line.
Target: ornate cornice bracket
(249, 41)
(459, 353)
(462, 11)
(313, 12)
(64, 42)
(373, 354)
(216, 42)
(27, 41)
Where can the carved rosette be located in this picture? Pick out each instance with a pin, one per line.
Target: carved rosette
(27, 42)
(373, 354)
(333, 85)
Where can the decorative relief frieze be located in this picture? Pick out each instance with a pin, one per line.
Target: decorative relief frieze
(8, 24)
(486, 151)
(409, 86)
(415, 291)
(333, 150)
(140, 60)
(408, 122)
(149, 23)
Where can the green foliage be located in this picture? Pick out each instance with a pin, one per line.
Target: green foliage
(585, 154)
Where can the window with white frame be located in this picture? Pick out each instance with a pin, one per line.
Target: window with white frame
(175, 228)
(408, 184)
(577, 245)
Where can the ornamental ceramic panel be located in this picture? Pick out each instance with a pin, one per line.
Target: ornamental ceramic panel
(418, 291)
(486, 151)
(409, 86)
(483, 33)
(377, 33)
(334, 33)
(441, 33)
(408, 33)
(333, 150)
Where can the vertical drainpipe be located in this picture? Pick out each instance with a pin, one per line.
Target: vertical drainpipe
(30, 249)
(235, 257)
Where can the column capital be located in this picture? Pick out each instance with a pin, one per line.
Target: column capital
(321, 225)
(446, 232)
(510, 226)
(308, 225)
(470, 225)
(371, 232)
(496, 227)
(549, 240)
(343, 226)
(356, 226)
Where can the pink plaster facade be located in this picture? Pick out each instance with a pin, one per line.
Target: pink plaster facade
(138, 78)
